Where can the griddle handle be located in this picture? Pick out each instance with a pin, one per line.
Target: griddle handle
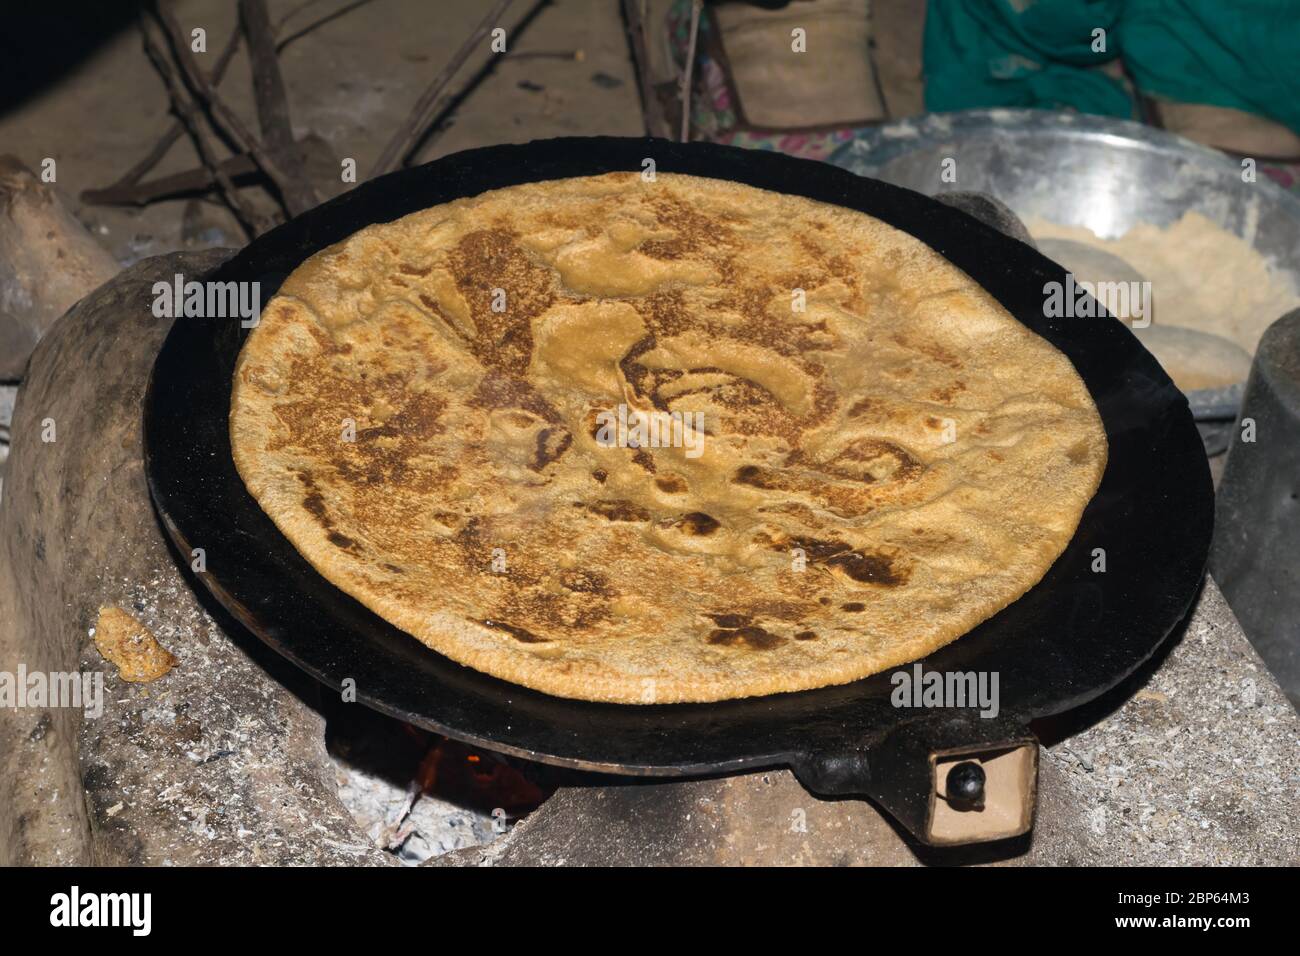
(954, 781)
(948, 780)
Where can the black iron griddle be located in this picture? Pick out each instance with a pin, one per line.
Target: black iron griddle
(1072, 637)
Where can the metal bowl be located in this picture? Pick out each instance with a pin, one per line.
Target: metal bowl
(1104, 174)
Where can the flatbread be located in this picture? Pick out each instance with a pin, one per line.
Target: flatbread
(872, 456)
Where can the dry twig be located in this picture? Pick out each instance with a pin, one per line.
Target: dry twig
(169, 138)
(217, 108)
(696, 6)
(299, 34)
(273, 106)
(128, 190)
(656, 123)
(426, 107)
(185, 109)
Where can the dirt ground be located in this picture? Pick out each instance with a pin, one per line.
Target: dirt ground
(351, 81)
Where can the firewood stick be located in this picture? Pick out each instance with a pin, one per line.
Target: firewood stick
(239, 168)
(248, 217)
(656, 124)
(425, 108)
(299, 34)
(216, 105)
(696, 5)
(169, 138)
(273, 106)
(197, 180)
(123, 192)
(578, 55)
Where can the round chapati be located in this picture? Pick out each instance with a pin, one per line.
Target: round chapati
(840, 452)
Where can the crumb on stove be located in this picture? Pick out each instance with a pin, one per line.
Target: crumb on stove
(130, 645)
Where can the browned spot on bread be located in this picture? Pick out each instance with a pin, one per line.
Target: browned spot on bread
(874, 459)
(751, 636)
(314, 503)
(693, 230)
(751, 409)
(781, 610)
(1078, 453)
(585, 581)
(552, 443)
(698, 523)
(929, 349)
(518, 633)
(946, 393)
(506, 391)
(814, 549)
(663, 248)
(870, 568)
(665, 312)
(806, 636)
(491, 259)
(644, 459)
(341, 541)
(313, 425)
(671, 484)
(619, 510)
(641, 378)
(758, 476)
(730, 621)
(800, 512)
(853, 606)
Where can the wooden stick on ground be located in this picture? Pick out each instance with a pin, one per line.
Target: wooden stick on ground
(174, 132)
(217, 107)
(400, 146)
(273, 106)
(319, 22)
(185, 109)
(128, 190)
(578, 55)
(696, 6)
(656, 123)
(184, 183)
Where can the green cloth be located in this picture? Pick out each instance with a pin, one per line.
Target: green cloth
(1244, 54)
(984, 53)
